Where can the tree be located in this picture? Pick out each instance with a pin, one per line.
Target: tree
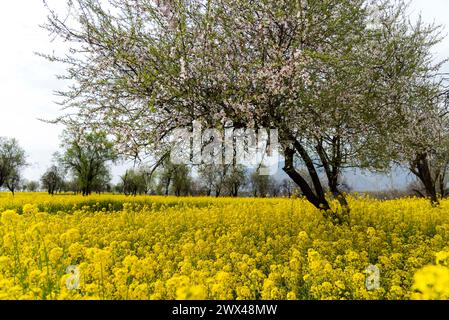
(261, 185)
(53, 179)
(181, 180)
(219, 179)
(330, 75)
(86, 154)
(14, 181)
(287, 188)
(274, 188)
(148, 177)
(130, 183)
(102, 182)
(118, 188)
(207, 175)
(12, 161)
(423, 144)
(32, 186)
(175, 178)
(213, 178)
(136, 182)
(235, 180)
(72, 185)
(166, 177)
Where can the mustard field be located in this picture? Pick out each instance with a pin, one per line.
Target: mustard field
(117, 247)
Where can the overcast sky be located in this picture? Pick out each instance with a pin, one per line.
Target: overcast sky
(27, 81)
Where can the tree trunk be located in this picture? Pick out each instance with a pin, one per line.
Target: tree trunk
(311, 170)
(319, 199)
(167, 186)
(442, 181)
(421, 168)
(235, 191)
(332, 168)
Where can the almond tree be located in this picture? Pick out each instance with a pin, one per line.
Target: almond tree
(329, 75)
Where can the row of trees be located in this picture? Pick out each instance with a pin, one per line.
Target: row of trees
(170, 179)
(85, 158)
(209, 180)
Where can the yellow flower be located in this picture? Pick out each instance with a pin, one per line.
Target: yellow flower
(5, 263)
(8, 241)
(71, 235)
(395, 293)
(9, 217)
(30, 209)
(291, 296)
(244, 293)
(431, 283)
(55, 254)
(196, 292)
(339, 284)
(206, 248)
(76, 250)
(442, 258)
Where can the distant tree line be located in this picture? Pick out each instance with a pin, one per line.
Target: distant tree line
(206, 180)
(82, 168)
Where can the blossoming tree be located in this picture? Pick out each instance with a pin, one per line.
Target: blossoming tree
(329, 75)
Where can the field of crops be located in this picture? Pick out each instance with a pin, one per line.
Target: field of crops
(117, 247)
